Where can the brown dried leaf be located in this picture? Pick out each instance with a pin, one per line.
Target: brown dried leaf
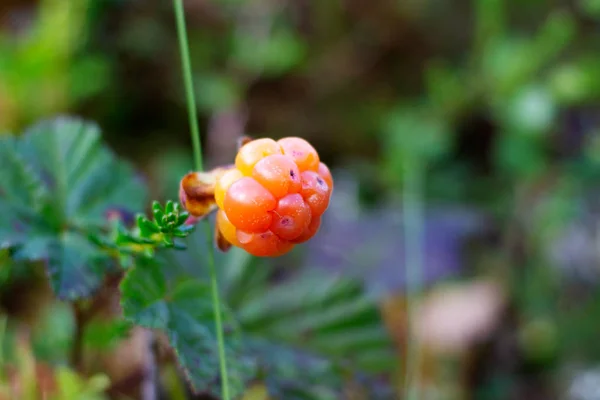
(222, 244)
(197, 191)
(243, 140)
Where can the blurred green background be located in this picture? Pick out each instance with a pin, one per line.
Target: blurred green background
(480, 119)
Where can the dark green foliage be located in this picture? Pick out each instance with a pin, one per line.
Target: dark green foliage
(182, 309)
(308, 335)
(312, 333)
(57, 184)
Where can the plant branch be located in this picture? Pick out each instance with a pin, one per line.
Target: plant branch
(193, 118)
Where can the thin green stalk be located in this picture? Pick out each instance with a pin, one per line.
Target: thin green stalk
(413, 231)
(195, 132)
(184, 48)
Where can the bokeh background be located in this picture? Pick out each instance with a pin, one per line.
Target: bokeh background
(463, 136)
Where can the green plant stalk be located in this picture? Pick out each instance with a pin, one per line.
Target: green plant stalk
(195, 132)
(412, 215)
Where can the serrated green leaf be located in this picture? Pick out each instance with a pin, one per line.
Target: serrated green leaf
(183, 310)
(302, 329)
(21, 194)
(75, 266)
(57, 182)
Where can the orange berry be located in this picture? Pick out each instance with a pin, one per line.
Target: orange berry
(254, 151)
(301, 151)
(248, 204)
(224, 182)
(309, 232)
(279, 174)
(291, 217)
(324, 172)
(226, 228)
(265, 244)
(316, 192)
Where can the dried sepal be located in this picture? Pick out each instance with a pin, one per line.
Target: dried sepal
(242, 141)
(220, 241)
(197, 191)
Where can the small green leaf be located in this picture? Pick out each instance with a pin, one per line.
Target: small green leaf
(169, 207)
(182, 218)
(146, 226)
(180, 233)
(157, 211)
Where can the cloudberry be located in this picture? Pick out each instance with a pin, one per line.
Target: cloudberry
(291, 217)
(324, 172)
(248, 204)
(273, 198)
(316, 192)
(226, 228)
(310, 231)
(301, 151)
(279, 174)
(254, 151)
(265, 244)
(223, 183)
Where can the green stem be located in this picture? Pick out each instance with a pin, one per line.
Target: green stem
(184, 48)
(195, 132)
(413, 226)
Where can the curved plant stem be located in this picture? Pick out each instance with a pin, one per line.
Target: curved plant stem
(413, 226)
(195, 132)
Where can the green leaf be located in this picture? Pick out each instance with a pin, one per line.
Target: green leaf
(304, 331)
(75, 266)
(57, 182)
(182, 309)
